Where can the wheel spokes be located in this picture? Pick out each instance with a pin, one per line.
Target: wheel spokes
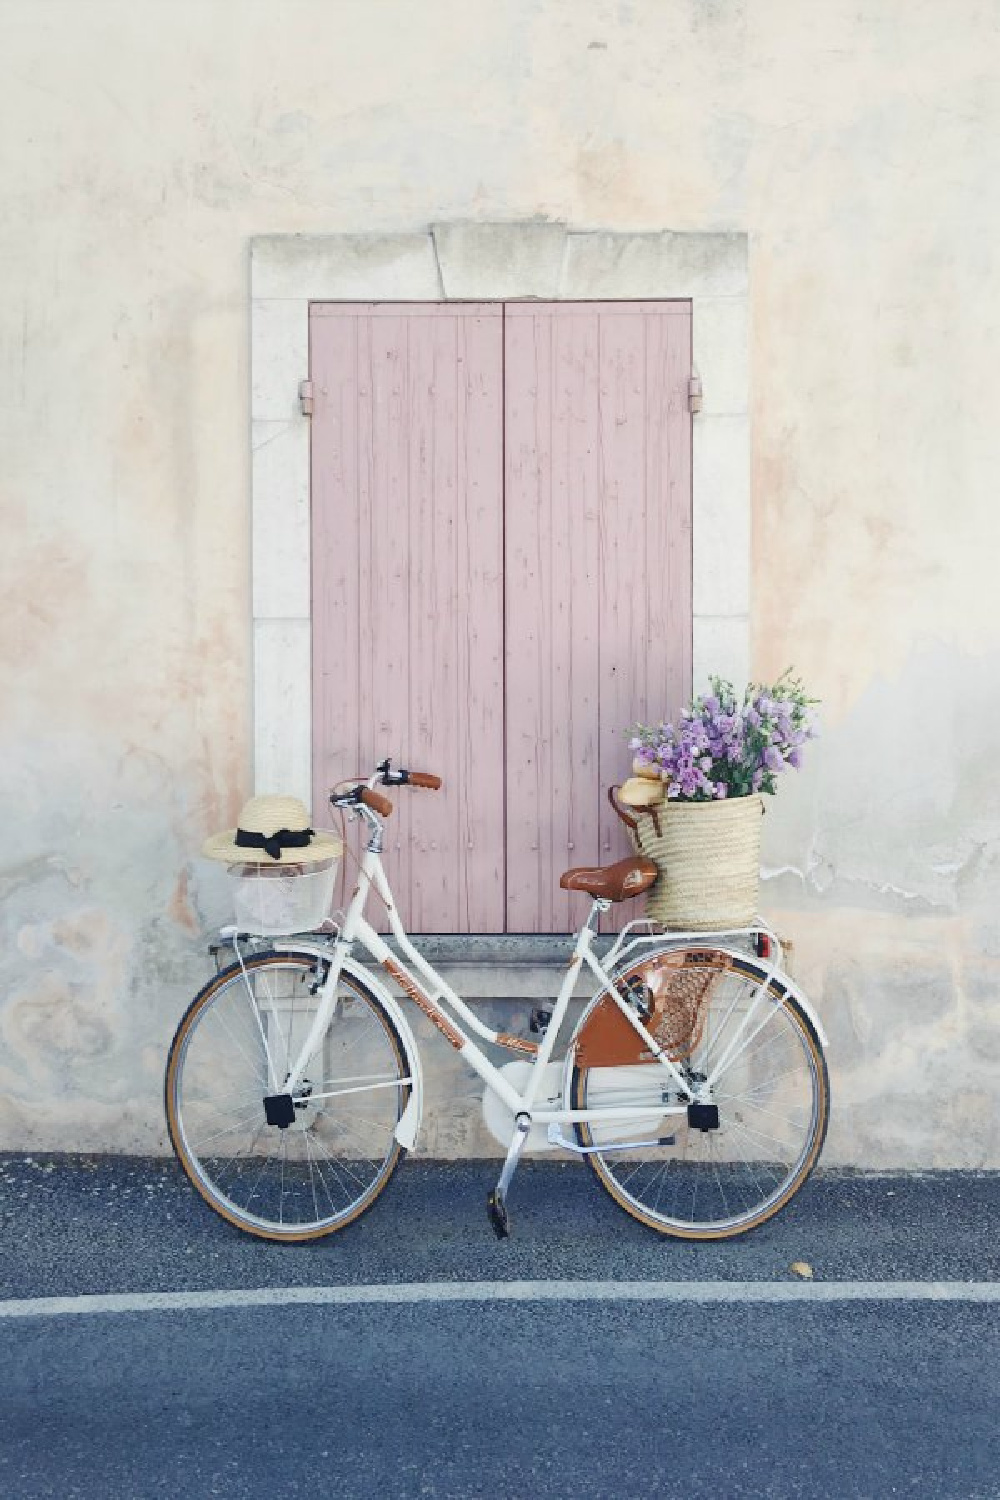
(768, 1115)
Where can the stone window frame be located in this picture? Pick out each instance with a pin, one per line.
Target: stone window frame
(481, 262)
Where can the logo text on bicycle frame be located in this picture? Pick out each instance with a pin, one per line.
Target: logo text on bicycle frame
(418, 997)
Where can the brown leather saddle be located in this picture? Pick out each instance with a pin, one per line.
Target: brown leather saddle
(620, 882)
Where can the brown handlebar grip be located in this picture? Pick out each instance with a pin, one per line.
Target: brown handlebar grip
(427, 779)
(376, 802)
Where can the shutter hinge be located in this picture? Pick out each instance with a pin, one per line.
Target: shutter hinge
(306, 397)
(694, 394)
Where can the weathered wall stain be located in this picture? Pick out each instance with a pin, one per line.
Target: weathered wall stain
(180, 908)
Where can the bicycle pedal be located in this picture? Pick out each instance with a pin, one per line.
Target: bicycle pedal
(499, 1218)
(703, 1116)
(279, 1109)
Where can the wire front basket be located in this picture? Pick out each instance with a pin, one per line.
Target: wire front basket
(273, 900)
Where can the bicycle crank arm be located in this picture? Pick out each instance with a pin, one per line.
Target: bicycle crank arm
(556, 1138)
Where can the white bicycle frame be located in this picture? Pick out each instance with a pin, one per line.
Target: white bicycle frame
(447, 1011)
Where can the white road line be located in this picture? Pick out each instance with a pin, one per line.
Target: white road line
(507, 1291)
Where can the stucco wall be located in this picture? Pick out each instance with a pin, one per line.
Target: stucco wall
(142, 147)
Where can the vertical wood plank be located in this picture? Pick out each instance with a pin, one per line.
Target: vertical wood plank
(528, 474)
(626, 569)
(397, 608)
(575, 636)
(479, 541)
(433, 622)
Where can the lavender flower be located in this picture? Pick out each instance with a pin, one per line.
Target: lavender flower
(721, 748)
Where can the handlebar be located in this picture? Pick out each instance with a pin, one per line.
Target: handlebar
(388, 777)
(364, 792)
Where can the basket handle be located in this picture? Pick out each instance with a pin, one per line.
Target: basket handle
(626, 818)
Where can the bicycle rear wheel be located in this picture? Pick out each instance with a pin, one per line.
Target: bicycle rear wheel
(235, 1045)
(772, 1096)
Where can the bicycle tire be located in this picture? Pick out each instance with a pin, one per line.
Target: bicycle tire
(330, 1165)
(691, 1165)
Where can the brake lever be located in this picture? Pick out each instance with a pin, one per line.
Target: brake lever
(389, 777)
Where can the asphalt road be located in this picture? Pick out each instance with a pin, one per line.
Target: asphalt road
(597, 1398)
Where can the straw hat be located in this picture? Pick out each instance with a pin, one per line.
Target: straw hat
(273, 830)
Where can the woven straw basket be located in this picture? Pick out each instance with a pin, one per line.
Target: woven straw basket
(709, 859)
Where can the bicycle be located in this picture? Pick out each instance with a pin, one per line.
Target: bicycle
(694, 1082)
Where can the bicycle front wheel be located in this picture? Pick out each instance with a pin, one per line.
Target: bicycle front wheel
(236, 1044)
(720, 1170)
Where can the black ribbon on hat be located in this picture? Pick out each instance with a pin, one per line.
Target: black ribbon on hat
(273, 843)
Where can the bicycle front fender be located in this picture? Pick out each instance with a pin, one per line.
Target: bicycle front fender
(409, 1126)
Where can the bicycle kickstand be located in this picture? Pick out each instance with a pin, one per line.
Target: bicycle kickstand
(496, 1202)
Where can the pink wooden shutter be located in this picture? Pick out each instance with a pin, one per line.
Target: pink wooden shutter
(407, 501)
(598, 575)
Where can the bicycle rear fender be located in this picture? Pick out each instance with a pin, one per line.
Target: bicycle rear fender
(408, 1128)
(806, 1006)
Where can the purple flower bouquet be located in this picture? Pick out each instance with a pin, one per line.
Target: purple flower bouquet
(721, 747)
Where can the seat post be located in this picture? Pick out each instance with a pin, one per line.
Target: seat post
(598, 909)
